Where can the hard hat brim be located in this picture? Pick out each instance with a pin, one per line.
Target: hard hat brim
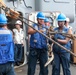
(41, 18)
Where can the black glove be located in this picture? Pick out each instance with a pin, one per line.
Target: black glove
(55, 39)
(50, 42)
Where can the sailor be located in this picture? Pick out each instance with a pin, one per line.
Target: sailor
(67, 23)
(60, 55)
(19, 41)
(38, 47)
(47, 23)
(6, 48)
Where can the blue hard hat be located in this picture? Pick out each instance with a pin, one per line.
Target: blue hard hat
(46, 20)
(61, 17)
(3, 19)
(40, 15)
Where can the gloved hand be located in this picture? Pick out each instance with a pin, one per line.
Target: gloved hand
(55, 39)
(50, 42)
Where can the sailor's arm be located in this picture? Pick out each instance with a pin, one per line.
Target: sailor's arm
(65, 40)
(32, 31)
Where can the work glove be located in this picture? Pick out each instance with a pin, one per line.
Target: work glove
(55, 39)
(50, 42)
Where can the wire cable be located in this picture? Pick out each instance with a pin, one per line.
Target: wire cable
(26, 5)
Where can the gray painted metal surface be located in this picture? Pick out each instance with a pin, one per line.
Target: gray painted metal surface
(23, 70)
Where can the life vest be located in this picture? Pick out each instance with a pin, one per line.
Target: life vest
(56, 48)
(37, 40)
(6, 46)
